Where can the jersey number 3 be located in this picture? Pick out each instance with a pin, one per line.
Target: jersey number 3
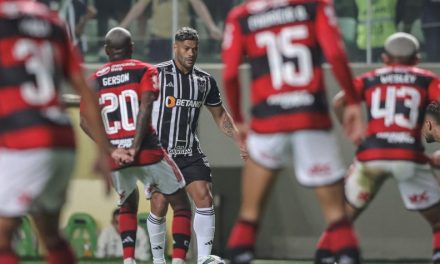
(280, 45)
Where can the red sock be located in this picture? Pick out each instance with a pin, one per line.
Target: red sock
(62, 254)
(127, 229)
(342, 235)
(243, 234)
(181, 233)
(8, 257)
(436, 246)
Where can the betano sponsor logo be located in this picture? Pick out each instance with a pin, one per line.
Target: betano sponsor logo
(171, 101)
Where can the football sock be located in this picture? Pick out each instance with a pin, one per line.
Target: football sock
(241, 243)
(127, 229)
(324, 252)
(157, 230)
(61, 254)
(8, 257)
(204, 228)
(181, 229)
(344, 243)
(436, 246)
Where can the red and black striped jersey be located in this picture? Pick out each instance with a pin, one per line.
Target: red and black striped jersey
(284, 42)
(396, 98)
(35, 56)
(119, 86)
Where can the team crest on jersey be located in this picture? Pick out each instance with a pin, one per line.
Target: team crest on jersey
(103, 71)
(201, 84)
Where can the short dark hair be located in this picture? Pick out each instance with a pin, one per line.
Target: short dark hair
(186, 33)
(433, 110)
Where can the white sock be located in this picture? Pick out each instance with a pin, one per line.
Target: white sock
(204, 228)
(157, 230)
(129, 261)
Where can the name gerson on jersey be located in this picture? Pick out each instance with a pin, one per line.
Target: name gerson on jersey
(176, 112)
(396, 98)
(119, 85)
(35, 56)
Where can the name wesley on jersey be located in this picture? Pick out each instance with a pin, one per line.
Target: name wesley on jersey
(118, 79)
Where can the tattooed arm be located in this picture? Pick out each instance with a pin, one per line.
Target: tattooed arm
(226, 124)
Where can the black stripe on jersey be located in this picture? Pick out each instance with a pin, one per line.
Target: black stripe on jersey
(24, 119)
(263, 109)
(310, 9)
(372, 142)
(23, 27)
(15, 76)
(421, 81)
(260, 65)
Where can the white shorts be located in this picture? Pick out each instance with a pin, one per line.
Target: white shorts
(418, 187)
(163, 176)
(316, 157)
(34, 180)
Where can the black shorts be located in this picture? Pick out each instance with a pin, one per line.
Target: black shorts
(194, 169)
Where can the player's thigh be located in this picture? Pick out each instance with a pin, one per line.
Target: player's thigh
(421, 190)
(124, 182)
(269, 150)
(197, 171)
(363, 182)
(33, 180)
(316, 158)
(164, 175)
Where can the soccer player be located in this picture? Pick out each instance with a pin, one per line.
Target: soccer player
(396, 96)
(36, 138)
(126, 90)
(184, 89)
(283, 42)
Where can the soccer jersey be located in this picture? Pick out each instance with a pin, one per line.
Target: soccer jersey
(396, 98)
(176, 112)
(35, 56)
(119, 85)
(284, 42)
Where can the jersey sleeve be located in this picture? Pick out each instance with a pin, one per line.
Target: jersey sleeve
(149, 81)
(92, 83)
(232, 52)
(434, 90)
(213, 98)
(359, 87)
(330, 40)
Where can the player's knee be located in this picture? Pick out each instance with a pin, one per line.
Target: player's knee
(180, 201)
(433, 216)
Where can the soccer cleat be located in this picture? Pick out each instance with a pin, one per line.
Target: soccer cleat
(210, 259)
(129, 261)
(177, 261)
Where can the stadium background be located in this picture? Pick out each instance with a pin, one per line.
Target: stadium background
(292, 222)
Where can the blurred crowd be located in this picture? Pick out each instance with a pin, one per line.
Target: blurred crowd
(364, 24)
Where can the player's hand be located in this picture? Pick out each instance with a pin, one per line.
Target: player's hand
(240, 137)
(215, 32)
(102, 167)
(244, 152)
(353, 123)
(122, 156)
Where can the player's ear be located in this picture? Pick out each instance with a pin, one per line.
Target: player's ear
(386, 58)
(107, 50)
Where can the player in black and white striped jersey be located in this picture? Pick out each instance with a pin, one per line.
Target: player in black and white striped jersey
(184, 89)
